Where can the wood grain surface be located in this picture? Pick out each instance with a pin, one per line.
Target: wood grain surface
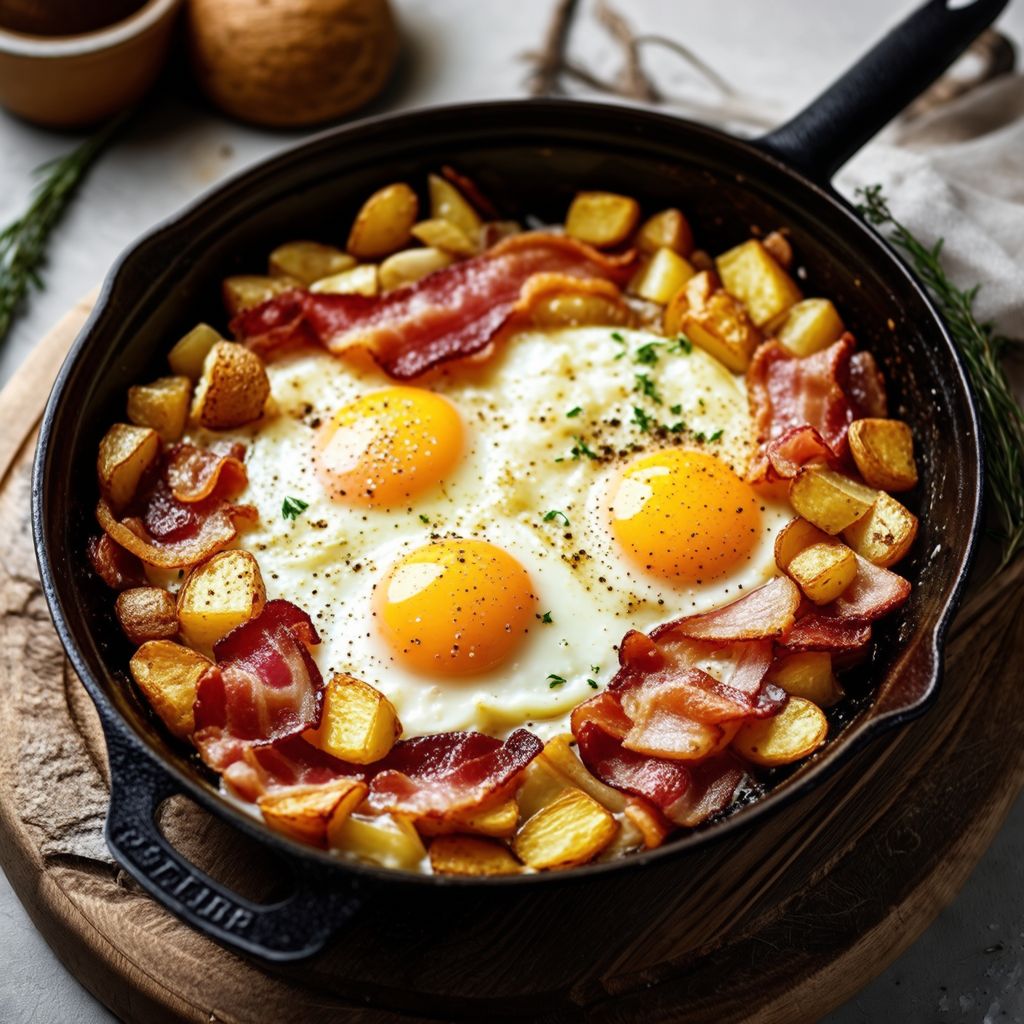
(775, 926)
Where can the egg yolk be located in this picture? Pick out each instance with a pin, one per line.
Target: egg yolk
(455, 607)
(685, 515)
(389, 446)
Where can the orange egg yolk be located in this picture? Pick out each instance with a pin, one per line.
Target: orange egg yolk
(455, 607)
(389, 446)
(684, 515)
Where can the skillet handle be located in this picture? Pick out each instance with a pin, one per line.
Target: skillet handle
(319, 903)
(825, 134)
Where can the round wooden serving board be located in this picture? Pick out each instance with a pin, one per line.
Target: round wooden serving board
(778, 924)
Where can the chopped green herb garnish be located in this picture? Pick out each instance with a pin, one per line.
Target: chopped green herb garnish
(580, 449)
(574, 411)
(677, 428)
(641, 419)
(647, 388)
(424, 518)
(292, 508)
(554, 680)
(595, 669)
(675, 409)
(699, 437)
(715, 436)
(554, 514)
(592, 683)
(682, 344)
(647, 354)
(546, 617)
(617, 337)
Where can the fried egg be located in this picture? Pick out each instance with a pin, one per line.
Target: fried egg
(477, 546)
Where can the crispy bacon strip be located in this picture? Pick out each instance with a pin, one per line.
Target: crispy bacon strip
(817, 632)
(291, 761)
(786, 455)
(873, 593)
(118, 568)
(765, 613)
(866, 386)
(431, 776)
(194, 474)
(265, 685)
(450, 314)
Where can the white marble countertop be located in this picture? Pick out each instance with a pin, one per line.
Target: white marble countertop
(968, 966)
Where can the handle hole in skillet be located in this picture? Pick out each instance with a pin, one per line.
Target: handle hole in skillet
(227, 855)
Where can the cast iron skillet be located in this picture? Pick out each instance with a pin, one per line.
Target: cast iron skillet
(528, 156)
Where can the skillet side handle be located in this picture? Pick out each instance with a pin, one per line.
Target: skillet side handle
(294, 928)
(825, 134)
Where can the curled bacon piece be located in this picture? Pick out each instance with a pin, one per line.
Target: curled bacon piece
(291, 761)
(764, 613)
(431, 776)
(118, 568)
(873, 593)
(787, 454)
(817, 632)
(194, 474)
(452, 313)
(265, 685)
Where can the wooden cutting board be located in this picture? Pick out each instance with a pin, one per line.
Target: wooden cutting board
(776, 926)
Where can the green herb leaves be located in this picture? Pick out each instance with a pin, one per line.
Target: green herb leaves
(555, 514)
(292, 508)
(554, 681)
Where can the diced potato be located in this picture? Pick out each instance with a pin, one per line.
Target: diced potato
(810, 326)
(884, 453)
(808, 675)
(384, 222)
(126, 452)
(601, 218)
(308, 261)
(499, 821)
(652, 827)
(829, 500)
(796, 731)
(233, 389)
(750, 274)
(361, 280)
(359, 724)
(147, 613)
(542, 784)
(448, 203)
(713, 319)
(189, 354)
(559, 751)
(444, 235)
(464, 855)
(246, 291)
(885, 534)
(304, 813)
(823, 571)
(382, 839)
(168, 674)
(162, 405)
(410, 265)
(668, 229)
(661, 276)
(218, 595)
(575, 309)
(572, 830)
(796, 535)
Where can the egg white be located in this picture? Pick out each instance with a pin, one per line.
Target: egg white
(518, 465)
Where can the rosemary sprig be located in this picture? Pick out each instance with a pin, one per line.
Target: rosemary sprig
(23, 241)
(1002, 418)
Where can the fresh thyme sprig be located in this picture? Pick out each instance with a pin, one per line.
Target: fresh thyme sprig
(1002, 418)
(23, 241)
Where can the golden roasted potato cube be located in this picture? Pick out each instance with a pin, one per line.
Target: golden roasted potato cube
(668, 229)
(652, 827)
(884, 453)
(444, 235)
(162, 405)
(410, 265)
(661, 276)
(796, 535)
(823, 571)
(233, 389)
(749, 273)
(359, 724)
(246, 291)
(808, 675)
(574, 309)
(499, 821)
(384, 222)
(829, 500)
(190, 352)
(465, 855)
(796, 731)
(559, 751)
(713, 319)
(218, 595)
(168, 674)
(385, 840)
(542, 784)
(810, 326)
(304, 813)
(126, 452)
(308, 261)
(885, 534)
(601, 218)
(361, 280)
(448, 203)
(572, 830)
(147, 613)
